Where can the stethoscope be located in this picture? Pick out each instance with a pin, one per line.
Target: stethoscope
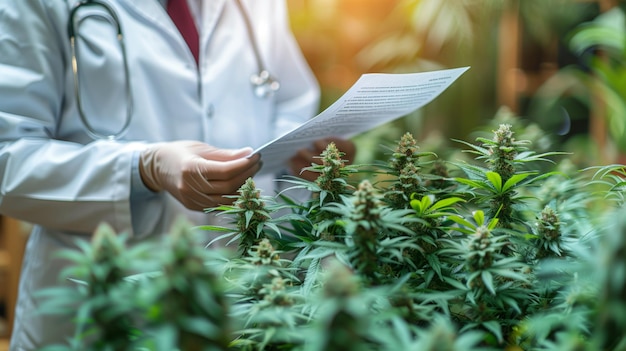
(263, 83)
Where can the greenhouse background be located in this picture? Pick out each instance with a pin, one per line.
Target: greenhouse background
(514, 48)
(556, 64)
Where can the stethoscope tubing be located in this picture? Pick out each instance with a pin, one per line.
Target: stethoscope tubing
(93, 133)
(264, 84)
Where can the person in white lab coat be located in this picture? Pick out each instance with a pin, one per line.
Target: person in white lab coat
(192, 126)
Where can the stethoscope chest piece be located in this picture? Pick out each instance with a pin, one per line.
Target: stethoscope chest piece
(264, 84)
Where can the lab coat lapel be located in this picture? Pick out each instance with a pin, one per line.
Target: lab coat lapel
(211, 13)
(154, 12)
(151, 11)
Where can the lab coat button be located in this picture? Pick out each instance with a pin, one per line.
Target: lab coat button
(210, 110)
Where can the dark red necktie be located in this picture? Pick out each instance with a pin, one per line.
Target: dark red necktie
(181, 16)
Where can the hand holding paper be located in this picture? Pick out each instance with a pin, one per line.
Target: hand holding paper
(373, 100)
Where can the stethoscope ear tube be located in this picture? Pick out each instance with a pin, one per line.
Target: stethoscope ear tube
(71, 30)
(71, 27)
(263, 83)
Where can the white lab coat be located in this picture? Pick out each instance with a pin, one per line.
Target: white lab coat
(56, 177)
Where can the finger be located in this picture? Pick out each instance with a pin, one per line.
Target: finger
(310, 176)
(218, 180)
(321, 145)
(224, 170)
(197, 201)
(198, 193)
(215, 154)
(297, 165)
(225, 187)
(303, 158)
(305, 155)
(194, 183)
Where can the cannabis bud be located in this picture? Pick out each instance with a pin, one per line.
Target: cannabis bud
(405, 153)
(264, 253)
(332, 170)
(249, 200)
(481, 250)
(503, 152)
(549, 234)
(340, 282)
(275, 293)
(251, 215)
(366, 203)
(105, 244)
(549, 225)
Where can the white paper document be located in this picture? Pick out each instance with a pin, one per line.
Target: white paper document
(375, 99)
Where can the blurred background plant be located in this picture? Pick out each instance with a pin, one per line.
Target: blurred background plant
(512, 46)
(597, 83)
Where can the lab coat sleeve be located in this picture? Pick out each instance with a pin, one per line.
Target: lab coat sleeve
(66, 186)
(53, 183)
(298, 97)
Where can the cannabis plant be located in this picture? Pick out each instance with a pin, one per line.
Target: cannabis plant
(174, 303)
(251, 216)
(511, 250)
(499, 182)
(330, 187)
(186, 308)
(99, 300)
(262, 295)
